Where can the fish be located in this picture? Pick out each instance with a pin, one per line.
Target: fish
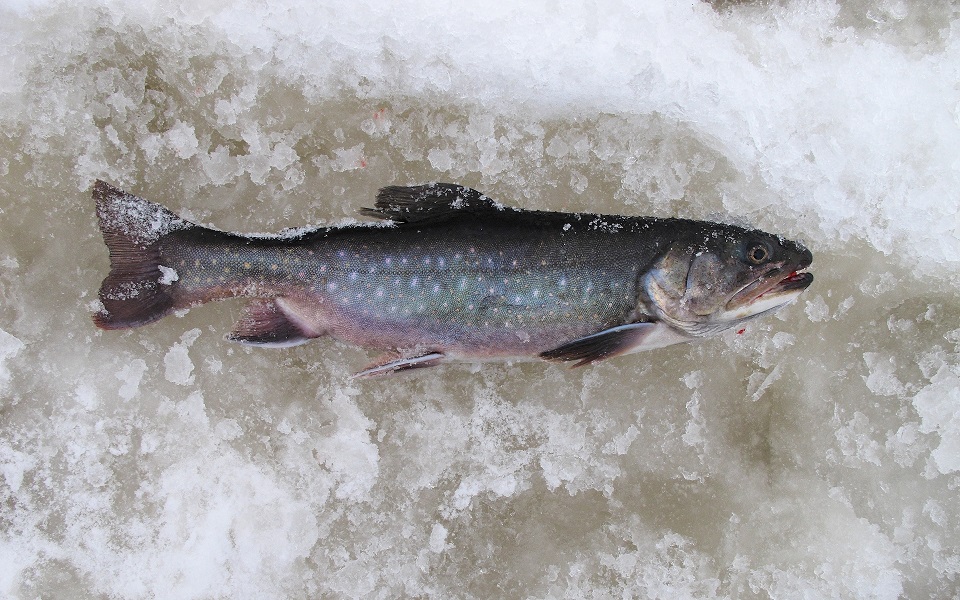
(442, 273)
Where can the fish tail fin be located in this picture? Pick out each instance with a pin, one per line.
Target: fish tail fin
(136, 291)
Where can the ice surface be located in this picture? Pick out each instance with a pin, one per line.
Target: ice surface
(9, 348)
(815, 455)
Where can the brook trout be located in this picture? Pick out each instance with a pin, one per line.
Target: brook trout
(451, 275)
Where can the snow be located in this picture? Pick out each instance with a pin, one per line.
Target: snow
(817, 454)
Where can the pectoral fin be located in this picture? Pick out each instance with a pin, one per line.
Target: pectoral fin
(392, 363)
(605, 344)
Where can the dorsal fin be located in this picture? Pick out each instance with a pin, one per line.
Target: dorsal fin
(431, 202)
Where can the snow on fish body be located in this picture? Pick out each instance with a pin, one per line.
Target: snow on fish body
(454, 276)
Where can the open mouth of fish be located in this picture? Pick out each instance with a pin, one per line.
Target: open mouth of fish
(770, 291)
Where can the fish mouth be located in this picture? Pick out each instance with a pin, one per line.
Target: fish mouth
(769, 291)
(797, 280)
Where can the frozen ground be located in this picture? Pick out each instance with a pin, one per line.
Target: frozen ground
(817, 455)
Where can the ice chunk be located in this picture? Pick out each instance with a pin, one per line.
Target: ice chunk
(882, 378)
(939, 407)
(817, 309)
(9, 348)
(13, 465)
(228, 429)
(182, 139)
(348, 451)
(438, 538)
(179, 367)
(168, 275)
(130, 375)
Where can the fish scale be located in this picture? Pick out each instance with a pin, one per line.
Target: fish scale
(453, 276)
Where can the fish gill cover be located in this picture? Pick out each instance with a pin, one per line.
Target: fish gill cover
(815, 454)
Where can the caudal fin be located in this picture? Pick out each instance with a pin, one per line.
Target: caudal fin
(136, 291)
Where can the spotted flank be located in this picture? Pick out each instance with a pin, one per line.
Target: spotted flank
(455, 276)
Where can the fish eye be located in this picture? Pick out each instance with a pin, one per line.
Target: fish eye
(758, 254)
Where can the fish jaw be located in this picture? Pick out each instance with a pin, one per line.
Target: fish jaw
(770, 291)
(782, 293)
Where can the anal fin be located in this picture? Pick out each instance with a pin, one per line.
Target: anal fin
(604, 344)
(393, 363)
(264, 323)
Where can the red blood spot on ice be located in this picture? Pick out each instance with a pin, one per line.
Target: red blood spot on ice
(363, 163)
(739, 331)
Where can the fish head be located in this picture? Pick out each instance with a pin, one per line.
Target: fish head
(719, 276)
